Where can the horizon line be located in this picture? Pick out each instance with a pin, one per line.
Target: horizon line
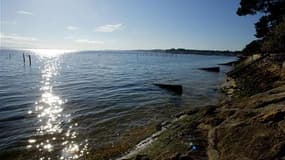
(86, 50)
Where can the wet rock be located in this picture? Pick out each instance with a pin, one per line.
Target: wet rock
(178, 89)
(176, 156)
(161, 125)
(192, 111)
(211, 69)
(210, 110)
(229, 86)
(228, 63)
(179, 156)
(142, 157)
(179, 114)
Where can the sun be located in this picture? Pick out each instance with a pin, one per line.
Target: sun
(50, 52)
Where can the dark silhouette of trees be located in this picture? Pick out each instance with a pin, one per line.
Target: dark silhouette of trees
(273, 12)
(253, 47)
(275, 40)
(270, 28)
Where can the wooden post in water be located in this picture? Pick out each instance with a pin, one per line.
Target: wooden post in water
(24, 58)
(30, 60)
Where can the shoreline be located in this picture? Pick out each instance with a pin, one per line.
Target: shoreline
(114, 137)
(248, 124)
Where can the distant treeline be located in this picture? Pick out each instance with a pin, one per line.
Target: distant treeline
(172, 51)
(194, 51)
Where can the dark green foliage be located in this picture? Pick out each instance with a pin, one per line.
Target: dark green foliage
(273, 13)
(275, 41)
(262, 27)
(252, 48)
(270, 27)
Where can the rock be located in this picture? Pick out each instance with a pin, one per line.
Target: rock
(214, 121)
(228, 63)
(161, 125)
(211, 69)
(142, 157)
(274, 116)
(178, 89)
(176, 156)
(185, 157)
(229, 86)
(282, 126)
(204, 126)
(210, 110)
(179, 156)
(249, 126)
(178, 115)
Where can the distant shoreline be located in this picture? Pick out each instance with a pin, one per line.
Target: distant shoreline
(194, 51)
(171, 51)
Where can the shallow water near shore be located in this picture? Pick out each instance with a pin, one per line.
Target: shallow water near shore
(65, 105)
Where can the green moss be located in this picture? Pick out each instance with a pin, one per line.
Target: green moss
(126, 141)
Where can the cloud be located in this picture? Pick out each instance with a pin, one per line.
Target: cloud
(24, 12)
(87, 41)
(72, 28)
(16, 41)
(14, 37)
(109, 28)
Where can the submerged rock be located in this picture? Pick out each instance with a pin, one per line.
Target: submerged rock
(228, 63)
(211, 69)
(178, 89)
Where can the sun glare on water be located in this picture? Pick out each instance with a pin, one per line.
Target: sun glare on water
(50, 52)
(56, 135)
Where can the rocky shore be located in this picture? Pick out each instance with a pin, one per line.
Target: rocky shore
(249, 124)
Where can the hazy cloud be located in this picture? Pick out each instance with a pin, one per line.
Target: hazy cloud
(14, 37)
(24, 12)
(72, 28)
(109, 28)
(16, 41)
(87, 41)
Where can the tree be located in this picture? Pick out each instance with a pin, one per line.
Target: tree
(275, 40)
(273, 13)
(252, 48)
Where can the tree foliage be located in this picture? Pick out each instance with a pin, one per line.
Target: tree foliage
(270, 29)
(273, 12)
(275, 40)
(252, 48)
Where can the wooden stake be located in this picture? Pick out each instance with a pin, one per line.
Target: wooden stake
(24, 58)
(30, 60)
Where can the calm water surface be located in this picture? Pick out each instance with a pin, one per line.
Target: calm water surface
(64, 105)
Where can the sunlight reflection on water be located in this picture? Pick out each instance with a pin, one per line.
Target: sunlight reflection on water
(56, 134)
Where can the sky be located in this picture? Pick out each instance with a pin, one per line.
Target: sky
(124, 24)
